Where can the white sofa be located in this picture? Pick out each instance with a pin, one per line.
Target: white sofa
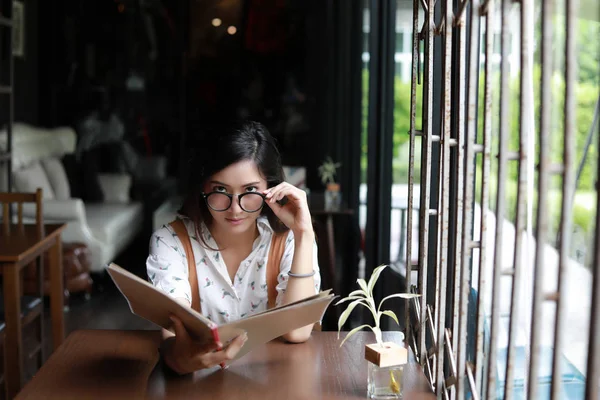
(107, 228)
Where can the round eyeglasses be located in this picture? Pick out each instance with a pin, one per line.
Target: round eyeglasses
(249, 202)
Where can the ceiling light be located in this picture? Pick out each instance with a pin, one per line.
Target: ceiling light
(232, 30)
(216, 22)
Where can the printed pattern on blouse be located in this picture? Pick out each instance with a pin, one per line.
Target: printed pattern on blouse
(221, 299)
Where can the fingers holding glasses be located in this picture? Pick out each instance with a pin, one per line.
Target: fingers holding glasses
(294, 213)
(284, 189)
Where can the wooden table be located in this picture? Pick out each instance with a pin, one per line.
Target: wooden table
(111, 364)
(18, 248)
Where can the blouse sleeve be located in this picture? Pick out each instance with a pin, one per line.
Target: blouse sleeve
(286, 265)
(166, 264)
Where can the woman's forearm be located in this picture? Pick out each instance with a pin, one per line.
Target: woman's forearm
(300, 288)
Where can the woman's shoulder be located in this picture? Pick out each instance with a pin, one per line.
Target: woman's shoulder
(165, 235)
(168, 233)
(164, 230)
(169, 229)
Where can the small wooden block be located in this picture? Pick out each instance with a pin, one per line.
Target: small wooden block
(388, 355)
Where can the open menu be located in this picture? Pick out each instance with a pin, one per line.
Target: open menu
(156, 306)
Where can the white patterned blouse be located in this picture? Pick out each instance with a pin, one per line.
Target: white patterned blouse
(221, 300)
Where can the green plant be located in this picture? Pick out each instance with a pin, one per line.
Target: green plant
(327, 170)
(364, 297)
(401, 135)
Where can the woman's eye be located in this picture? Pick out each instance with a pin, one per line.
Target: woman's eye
(251, 189)
(220, 189)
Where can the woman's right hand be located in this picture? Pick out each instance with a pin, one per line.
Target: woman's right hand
(185, 355)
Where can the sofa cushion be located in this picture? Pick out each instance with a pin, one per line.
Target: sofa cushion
(57, 177)
(115, 187)
(32, 177)
(110, 222)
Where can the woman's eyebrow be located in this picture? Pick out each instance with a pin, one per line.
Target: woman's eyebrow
(219, 183)
(245, 185)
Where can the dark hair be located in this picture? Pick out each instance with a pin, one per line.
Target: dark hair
(220, 146)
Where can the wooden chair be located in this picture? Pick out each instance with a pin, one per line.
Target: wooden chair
(7, 199)
(32, 307)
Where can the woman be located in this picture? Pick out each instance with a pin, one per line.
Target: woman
(237, 203)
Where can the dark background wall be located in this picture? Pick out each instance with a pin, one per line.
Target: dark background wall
(26, 69)
(52, 79)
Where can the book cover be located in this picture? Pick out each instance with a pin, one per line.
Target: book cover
(156, 306)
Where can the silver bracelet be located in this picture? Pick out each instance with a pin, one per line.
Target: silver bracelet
(292, 275)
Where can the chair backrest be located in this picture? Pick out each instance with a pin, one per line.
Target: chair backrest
(7, 199)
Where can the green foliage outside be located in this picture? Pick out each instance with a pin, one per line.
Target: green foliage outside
(401, 129)
(586, 97)
(586, 92)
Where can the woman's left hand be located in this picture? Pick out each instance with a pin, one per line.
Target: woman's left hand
(294, 214)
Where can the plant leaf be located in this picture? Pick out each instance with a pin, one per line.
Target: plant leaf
(349, 298)
(352, 332)
(373, 279)
(391, 314)
(357, 292)
(363, 286)
(346, 313)
(401, 295)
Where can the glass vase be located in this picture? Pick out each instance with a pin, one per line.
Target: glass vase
(385, 382)
(333, 197)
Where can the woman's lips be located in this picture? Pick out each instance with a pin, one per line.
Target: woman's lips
(235, 221)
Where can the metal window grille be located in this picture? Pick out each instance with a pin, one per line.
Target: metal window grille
(437, 328)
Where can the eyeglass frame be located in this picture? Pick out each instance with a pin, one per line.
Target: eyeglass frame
(239, 196)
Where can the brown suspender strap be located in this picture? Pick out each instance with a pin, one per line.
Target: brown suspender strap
(181, 231)
(273, 264)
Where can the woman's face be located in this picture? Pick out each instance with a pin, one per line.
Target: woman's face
(239, 178)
